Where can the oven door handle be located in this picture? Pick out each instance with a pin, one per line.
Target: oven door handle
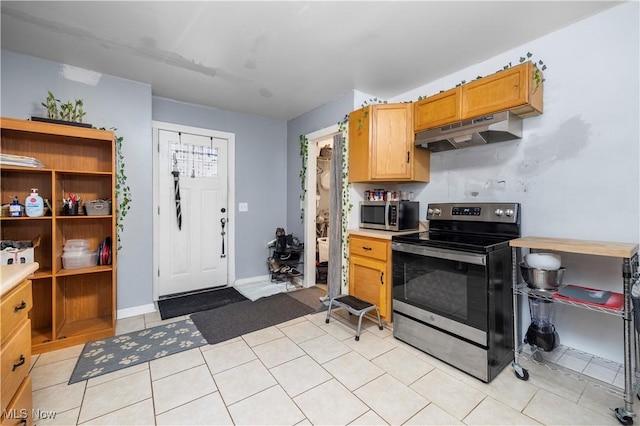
(439, 253)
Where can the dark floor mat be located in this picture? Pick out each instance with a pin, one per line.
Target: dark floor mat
(227, 322)
(204, 301)
(311, 297)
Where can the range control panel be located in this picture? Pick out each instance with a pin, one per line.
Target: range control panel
(477, 212)
(466, 211)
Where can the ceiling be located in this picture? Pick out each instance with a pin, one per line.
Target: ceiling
(279, 59)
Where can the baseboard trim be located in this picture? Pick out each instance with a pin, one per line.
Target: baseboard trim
(136, 310)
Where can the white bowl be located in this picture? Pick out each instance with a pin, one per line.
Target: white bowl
(546, 261)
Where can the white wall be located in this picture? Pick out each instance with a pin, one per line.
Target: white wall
(575, 171)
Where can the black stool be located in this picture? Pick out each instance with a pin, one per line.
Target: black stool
(355, 306)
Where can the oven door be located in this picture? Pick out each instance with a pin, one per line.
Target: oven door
(445, 289)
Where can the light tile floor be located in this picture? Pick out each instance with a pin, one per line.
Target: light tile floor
(305, 371)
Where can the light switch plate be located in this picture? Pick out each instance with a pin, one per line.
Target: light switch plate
(243, 207)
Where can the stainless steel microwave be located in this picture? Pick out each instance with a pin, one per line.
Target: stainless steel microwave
(389, 215)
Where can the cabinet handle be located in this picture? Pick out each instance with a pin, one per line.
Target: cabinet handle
(408, 156)
(366, 248)
(19, 363)
(381, 278)
(20, 307)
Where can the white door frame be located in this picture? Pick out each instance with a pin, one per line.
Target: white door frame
(231, 195)
(310, 201)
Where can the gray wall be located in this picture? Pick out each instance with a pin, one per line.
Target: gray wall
(575, 171)
(261, 170)
(261, 160)
(324, 116)
(112, 102)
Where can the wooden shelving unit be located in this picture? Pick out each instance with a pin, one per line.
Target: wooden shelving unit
(70, 306)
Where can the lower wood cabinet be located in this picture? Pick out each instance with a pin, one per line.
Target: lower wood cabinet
(370, 272)
(15, 356)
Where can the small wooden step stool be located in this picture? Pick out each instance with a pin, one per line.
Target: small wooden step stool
(355, 306)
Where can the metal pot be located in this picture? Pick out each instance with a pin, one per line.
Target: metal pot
(542, 279)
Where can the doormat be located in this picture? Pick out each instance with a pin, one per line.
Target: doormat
(197, 302)
(227, 322)
(108, 355)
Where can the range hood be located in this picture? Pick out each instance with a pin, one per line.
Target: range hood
(499, 127)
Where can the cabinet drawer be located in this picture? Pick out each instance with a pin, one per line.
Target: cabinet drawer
(20, 407)
(369, 247)
(15, 359)
(14, 309)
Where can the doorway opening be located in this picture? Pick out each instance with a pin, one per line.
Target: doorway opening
(316, 205)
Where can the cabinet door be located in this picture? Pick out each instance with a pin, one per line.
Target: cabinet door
(381, 145)
(368, 281)
(392, 141)
(437, 110)
(359, 169)
(505, 90)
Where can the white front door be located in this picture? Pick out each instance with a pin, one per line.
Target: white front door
(193, 255)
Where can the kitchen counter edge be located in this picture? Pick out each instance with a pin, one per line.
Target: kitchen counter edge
(12, 275)
(386, 235)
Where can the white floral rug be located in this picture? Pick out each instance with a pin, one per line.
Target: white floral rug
(108, 355)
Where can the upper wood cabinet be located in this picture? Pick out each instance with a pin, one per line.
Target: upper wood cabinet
(515, 89)
(438, 110)
(381, 145)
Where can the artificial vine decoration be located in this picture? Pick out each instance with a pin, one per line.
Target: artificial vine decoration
(365, 113)
(123, 192)
(347, 206)
(304, 154)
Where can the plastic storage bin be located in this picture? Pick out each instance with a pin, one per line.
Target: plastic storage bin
(76, 246)
(97, 207)
(80, 259)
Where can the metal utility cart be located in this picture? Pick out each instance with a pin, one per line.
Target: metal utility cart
(629, 254)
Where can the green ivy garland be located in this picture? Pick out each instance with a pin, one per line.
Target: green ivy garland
(347, 206)
(123, 191)
(304, 155)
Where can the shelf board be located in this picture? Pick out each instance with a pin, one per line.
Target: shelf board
(71, 334)
(3, 218)
(41, 273)
(597, 248)
(23, 169)
(55, 129)
(40, 336)
(81, 271)
(88, 327)
(524, 289)
(83, 216)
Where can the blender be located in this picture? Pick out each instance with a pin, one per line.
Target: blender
(541, 333)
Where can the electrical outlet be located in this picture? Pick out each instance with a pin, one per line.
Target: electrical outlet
(243, 207)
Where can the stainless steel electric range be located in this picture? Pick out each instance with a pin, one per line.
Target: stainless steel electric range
(452, 286)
